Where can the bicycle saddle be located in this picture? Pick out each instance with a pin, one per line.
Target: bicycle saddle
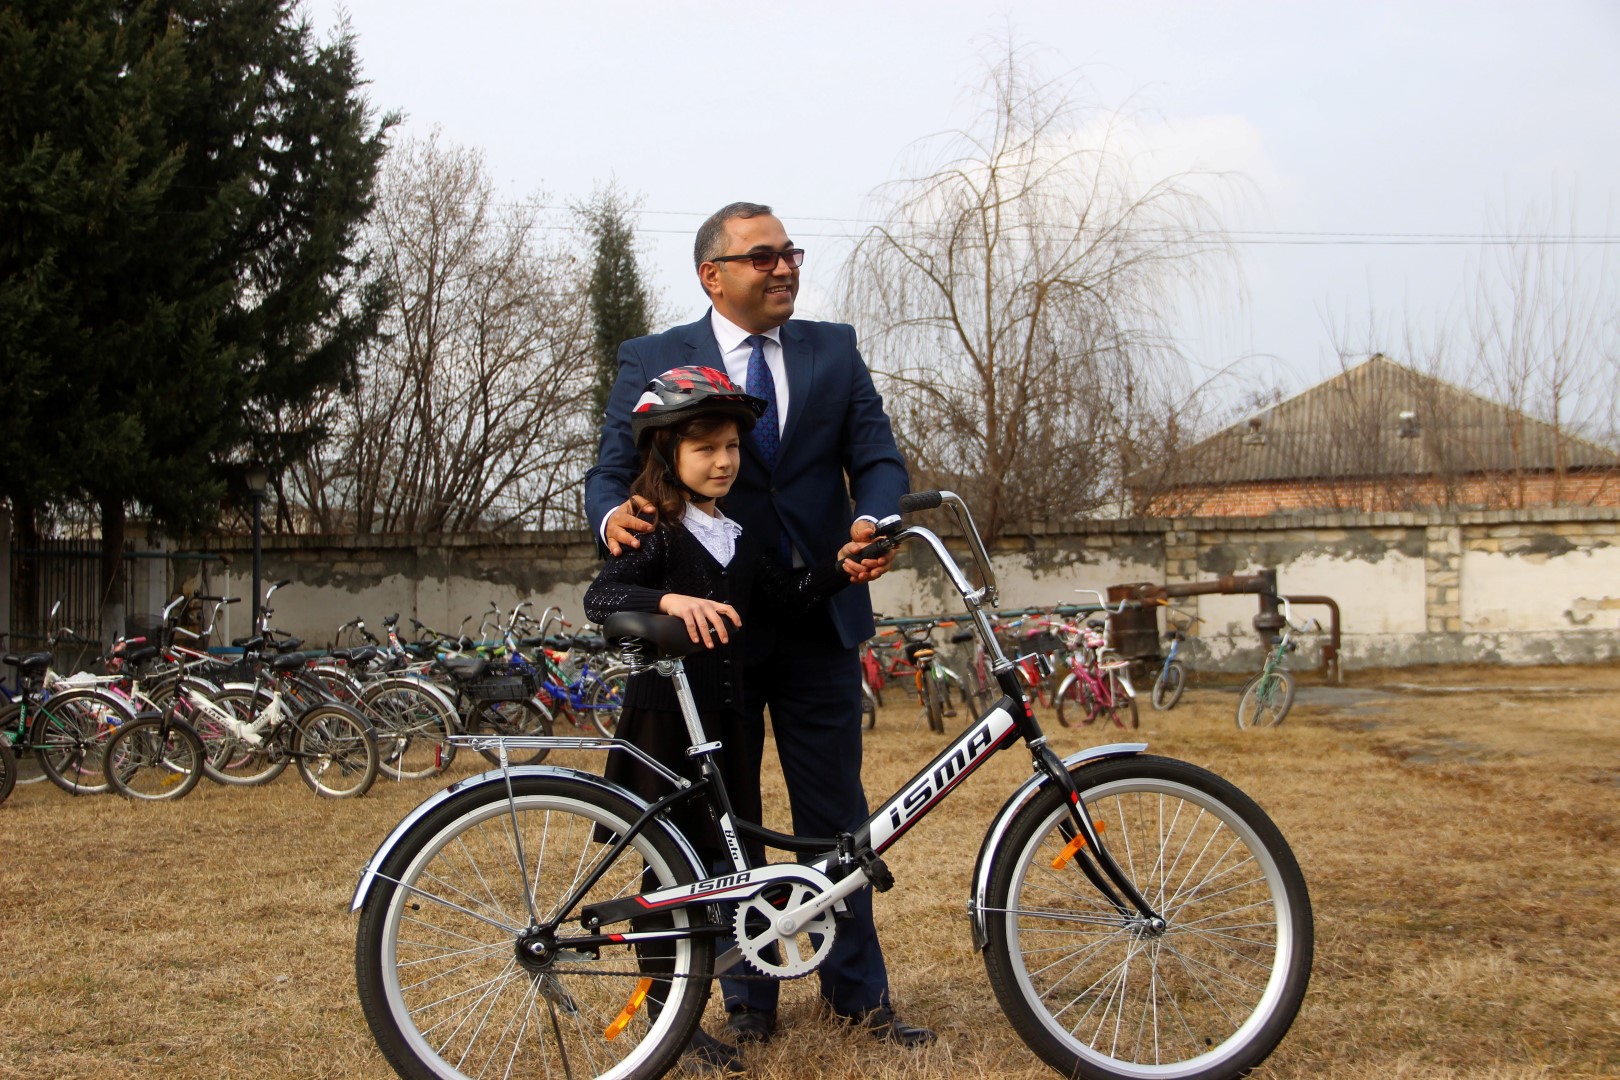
(961, 637)
(291, 661)
(665, 633)
(464, 668)
(29, 663)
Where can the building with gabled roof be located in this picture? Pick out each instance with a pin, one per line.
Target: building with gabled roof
(1381, 436)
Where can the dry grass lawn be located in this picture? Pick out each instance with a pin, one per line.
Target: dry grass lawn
(1461, 850)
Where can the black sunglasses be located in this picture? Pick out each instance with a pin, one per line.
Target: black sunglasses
(765, 261)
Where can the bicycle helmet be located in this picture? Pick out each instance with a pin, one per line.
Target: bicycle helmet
(684, 392)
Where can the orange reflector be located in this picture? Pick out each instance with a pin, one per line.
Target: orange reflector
(1073, 847)
(622, 1021)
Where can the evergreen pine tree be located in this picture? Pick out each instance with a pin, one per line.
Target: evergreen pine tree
(619, 303)
(181, 186)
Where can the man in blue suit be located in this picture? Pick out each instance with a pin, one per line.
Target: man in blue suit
(820, 467)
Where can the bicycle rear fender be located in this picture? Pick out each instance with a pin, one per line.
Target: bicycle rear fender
(998, 828)
(368, 873)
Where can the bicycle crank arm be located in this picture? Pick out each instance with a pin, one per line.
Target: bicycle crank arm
(789, 922)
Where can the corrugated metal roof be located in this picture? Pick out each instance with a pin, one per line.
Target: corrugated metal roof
(1381, 418)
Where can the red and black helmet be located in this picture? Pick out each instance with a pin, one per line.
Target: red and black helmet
(681, 393)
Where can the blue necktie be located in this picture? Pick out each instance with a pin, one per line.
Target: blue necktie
(767, 436)
(767, 432)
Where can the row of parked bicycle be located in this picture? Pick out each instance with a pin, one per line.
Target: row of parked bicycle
(162, 714)
(1069, 659)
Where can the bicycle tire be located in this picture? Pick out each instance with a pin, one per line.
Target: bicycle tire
(8, 769)
(335, 751)
(932, 702)
(1069, 704)
(414, 723)
(604, 698)
(1265, 700)
(69, 735)
(1101, 996)
(1122, 706)
(434, 953)
(869, 706)
(152, 761)
(16, 737)
(1168, 687)
(230, 759)
(527, 717)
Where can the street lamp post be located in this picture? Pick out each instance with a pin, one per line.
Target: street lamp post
(257, 477)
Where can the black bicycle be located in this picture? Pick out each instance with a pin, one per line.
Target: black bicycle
(1139, 917)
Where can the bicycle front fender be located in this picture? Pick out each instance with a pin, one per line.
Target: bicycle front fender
(368, 873)
(998, 828)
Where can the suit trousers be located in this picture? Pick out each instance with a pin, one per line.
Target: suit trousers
(811, 685)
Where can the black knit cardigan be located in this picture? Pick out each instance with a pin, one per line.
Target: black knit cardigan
(672, 560)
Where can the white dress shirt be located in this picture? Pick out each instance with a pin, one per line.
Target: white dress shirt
(735, 351)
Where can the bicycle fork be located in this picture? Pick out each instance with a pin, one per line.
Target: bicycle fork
(1092, 858)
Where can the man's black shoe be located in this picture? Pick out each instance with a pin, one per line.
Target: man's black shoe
(707, 1054)
(751, 1025)
(887, 1027)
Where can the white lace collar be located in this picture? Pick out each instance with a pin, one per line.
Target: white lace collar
(717, 533)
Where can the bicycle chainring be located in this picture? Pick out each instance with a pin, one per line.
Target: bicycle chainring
(765, 948)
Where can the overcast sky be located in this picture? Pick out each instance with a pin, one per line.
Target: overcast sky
(1353, 124)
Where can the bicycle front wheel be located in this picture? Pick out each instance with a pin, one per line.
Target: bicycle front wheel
(1121, 705)
(1167, 688)
(1099, 993)
(153, 761)
(1265, 700)
(335, 751)
(444, 981)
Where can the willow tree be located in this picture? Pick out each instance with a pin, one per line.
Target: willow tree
(1014, 302)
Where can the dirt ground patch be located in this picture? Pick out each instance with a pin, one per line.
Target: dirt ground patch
(1460, 849)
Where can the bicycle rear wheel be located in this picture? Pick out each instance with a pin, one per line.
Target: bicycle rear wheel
(933, 700)
(1097, 993)
(1121, 706)
(604, 699)
(154, 761)
(70, 734)
(413, 728)
(1265, 700)
(448, 988)
(8, 768)
(335, 751)
(511, 718)
(15, 735)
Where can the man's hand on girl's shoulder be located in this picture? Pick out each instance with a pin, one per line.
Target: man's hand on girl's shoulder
(628, 520)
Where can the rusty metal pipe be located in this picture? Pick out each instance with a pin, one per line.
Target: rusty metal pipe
(1330, 651)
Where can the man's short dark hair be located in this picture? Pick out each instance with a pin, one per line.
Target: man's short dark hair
(711, 235)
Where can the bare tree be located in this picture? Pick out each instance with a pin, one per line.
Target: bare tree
(1513, 399)
(473, 412)
(1015, 299)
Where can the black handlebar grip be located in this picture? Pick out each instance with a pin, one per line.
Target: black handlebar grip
(875, 550)
(919, 500)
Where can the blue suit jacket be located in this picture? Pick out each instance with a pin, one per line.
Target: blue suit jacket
(836, 428)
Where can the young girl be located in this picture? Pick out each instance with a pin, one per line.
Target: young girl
(698, 565)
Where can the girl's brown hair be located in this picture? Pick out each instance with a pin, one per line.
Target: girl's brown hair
(655, 484)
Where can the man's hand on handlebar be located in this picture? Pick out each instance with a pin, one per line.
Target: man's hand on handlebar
(861, 533)
(625, 523)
